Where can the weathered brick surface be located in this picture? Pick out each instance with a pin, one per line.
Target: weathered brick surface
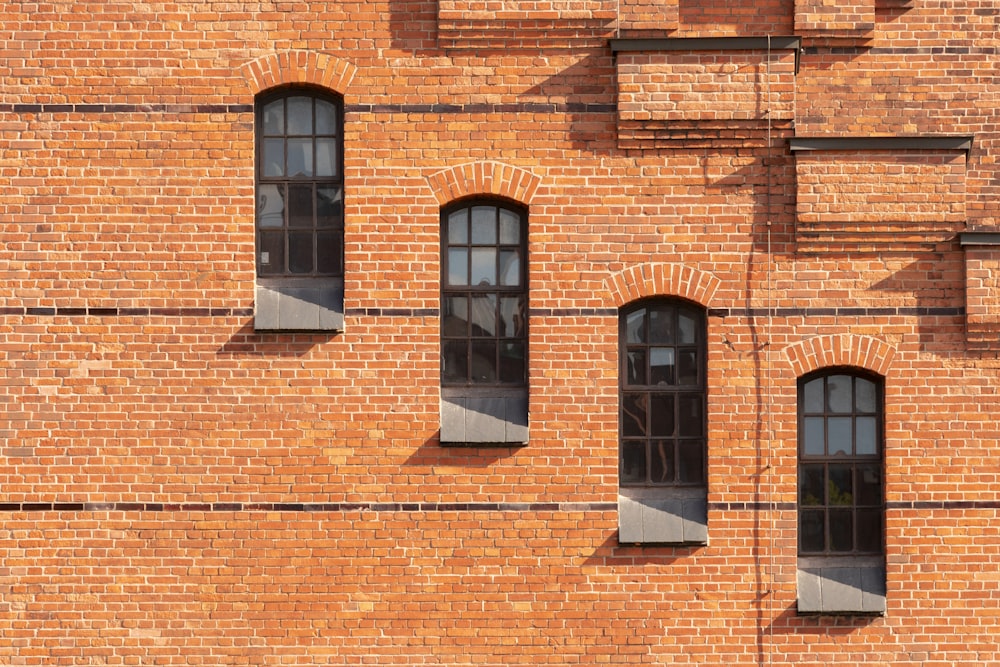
(176, 489)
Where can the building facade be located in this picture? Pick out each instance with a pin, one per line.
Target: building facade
(414, 332)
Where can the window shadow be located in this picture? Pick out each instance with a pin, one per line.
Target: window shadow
(246, 343)
(790, 622)
(431, 454)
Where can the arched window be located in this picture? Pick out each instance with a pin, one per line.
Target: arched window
(662, 423)
(841, 494)
(484, 315)
(300, 209)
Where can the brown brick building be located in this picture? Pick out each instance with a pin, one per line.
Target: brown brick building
(515, 333)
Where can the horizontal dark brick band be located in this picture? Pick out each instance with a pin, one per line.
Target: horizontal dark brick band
(391, 312)
(126, 108)
(308, 507)
(751, 507)
(526, 107)
(89, 311)
(573, 312)
(847, 311)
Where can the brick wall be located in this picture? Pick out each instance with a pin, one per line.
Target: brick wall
(178, 489)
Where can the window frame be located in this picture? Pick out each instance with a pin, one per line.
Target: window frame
(497, 290)
(856, 463)
(698, 388)
(332, 256)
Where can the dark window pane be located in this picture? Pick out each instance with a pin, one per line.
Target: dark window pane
(636, 367)
(661, 415)
(864, 395)
(272, 253)
(840, 435)
(690, 416)
(635, 327)
(814, 436)
(326, 118)
(661, 327)
(869, 485)
(300, 206)
(634, 414)
(510, 268)
(811, 531)
(329, 252)
(841, 530)
(270, 206)
(455, 316)
(661, 462)
(326, 157)
(633, 462)
(484, 315)
(812, 396)
(687, 367)
(865, 443)
(458, 266)
(458, 227)
(687, 328)
(661, 365)
(300, 157)
(512, 362)
(274, 157)
(839, 393)
(300, 252)
(511, 316)
(869, 530)
(840, 485)
(510, 227)
(273, 116)
(691, 459)
(484, 225)
(300, 115)
(812, 485)
(483, 361)
(484, 266)
(455, 360)
(329, 212)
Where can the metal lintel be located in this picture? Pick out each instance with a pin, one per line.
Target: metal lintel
(923, 143)
(979, 238)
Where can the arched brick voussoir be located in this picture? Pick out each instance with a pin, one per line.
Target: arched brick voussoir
(484, 178)
(648, 280)
(840, 350)
(298, 67)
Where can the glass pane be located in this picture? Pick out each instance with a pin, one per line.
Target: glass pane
(661, 415)
(300, 252)
(300, 115)
(812, 483)
(869, 485)
(636, 367)
(687, 328)
(812, 396)
(458, 228)
(811, 533)
(328, 210)
(272, 253)
(274, 157)
(274, 118)
(838, 393)
(329, 252)
(484, 225)
(864, 395)
(841, 530)
(661, 462)
(300, 206)
(270, 206)
(484, 266)
(687, 367)
(690, 417)
(661, 327)
(326, 117)
(300, 159)
(870, 531)
(633, 462)
(483, 361)
(840, 485)
(512, 316)
(661, 365)
(484, 315)
(634, 414)
(813, 440)
(326, 157)
(510, 227)
(454, 361)
(458, 266)
(456, 316)
(512, 361)
(691, 459)
(864, 436)
(840, 431)
(635, 332)
(510, 267)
